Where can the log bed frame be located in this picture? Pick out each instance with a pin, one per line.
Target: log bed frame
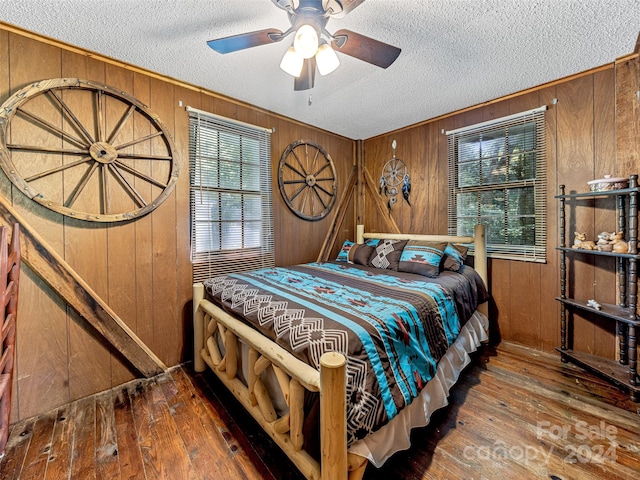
(293, 375)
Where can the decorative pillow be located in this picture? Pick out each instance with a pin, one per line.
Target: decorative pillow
(360, 253)
(454, 256)
(343, 255)
(422, 257)
(386, 254)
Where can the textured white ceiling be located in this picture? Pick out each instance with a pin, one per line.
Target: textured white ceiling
(455, 53)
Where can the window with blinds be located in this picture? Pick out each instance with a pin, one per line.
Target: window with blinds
(497, 177)
(230, 195)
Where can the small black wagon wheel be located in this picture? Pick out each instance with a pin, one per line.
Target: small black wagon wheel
(86, 150)
(307, 180)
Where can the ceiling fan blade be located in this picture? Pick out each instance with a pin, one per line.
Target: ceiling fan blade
(307, 78)
(365, 48)
(347, 6)
(246, 40)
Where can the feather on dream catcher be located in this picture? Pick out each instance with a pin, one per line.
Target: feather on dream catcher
(395, 179)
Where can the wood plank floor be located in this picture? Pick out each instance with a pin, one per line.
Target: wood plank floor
(516, 413)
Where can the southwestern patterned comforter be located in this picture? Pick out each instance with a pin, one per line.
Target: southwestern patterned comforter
(393, 327)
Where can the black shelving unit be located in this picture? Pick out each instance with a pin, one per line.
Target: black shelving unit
(623, 372)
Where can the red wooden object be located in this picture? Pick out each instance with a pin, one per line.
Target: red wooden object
(9, 276)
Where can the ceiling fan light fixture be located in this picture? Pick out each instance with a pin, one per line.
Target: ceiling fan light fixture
(306, 41)
(292, 62)
(326, 59)
(313, 47)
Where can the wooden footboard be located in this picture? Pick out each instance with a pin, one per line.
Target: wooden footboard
(293, 376)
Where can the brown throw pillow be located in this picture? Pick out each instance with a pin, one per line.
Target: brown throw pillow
(386, 254)
(360, 253)
(454, 257)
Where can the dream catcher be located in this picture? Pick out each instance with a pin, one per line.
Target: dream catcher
(395, 178)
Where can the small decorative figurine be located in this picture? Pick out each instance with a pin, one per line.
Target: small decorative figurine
(619, 245)
(603, 244)
(592, 303)
(580, 241)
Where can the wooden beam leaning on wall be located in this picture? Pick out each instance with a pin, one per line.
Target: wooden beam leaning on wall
(63, 280)
(337, 220)
(382, 208)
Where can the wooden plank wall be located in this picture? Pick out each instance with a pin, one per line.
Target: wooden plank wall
(141, 269)
(592, 130)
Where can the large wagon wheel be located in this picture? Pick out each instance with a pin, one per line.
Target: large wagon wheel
(307, 180)
(86, 150)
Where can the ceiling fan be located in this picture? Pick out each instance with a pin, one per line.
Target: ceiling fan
(310, 50)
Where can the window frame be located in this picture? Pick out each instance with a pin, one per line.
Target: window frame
(211, 140)
(500, 128)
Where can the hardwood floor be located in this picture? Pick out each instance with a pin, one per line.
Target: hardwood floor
(516, 413)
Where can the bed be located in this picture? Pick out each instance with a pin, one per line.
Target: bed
(338, 361)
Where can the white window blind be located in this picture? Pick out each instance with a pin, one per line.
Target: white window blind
(497, 177)
(230, 195)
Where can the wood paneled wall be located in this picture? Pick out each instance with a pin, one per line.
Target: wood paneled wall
(592, 130)
(142, 268)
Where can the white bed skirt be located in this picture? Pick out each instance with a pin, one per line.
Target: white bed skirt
(395, 436)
